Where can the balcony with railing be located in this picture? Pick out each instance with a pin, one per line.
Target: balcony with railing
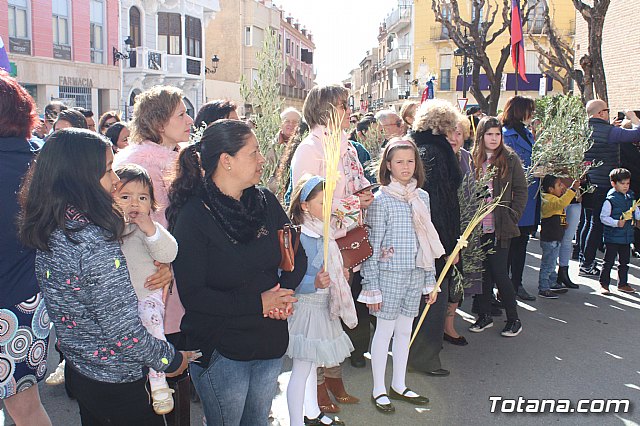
(396, 93)
(146, 60)
(534, 26)
(398, 57)
(292, 92)
(180, 64)
(439, 33)
(399, 18)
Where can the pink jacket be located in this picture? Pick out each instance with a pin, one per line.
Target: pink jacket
(160, 163)
(309, 158)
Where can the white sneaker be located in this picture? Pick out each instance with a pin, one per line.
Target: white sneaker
(57, 377)
(162, 400)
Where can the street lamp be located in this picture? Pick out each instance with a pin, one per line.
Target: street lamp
(369, 103)
(407, 77)
(214, 66)
(117, 55)
(463, 62)
(121, 56)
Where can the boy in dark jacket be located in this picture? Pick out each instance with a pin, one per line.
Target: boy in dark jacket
(555, 198)
(618, 211)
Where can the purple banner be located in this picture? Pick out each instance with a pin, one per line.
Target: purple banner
(533, 85)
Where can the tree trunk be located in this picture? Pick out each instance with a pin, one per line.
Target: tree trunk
(599, 79)
(476, 91)
(587, 82)
(494, 94)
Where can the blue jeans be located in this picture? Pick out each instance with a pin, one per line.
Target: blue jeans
(236, 393)
(548, 274)
(573, 219)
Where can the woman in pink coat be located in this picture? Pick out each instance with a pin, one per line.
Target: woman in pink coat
(160, 122)
(348, 200)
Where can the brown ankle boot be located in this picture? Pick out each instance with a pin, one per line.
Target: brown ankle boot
(336, 387)
(324, 400)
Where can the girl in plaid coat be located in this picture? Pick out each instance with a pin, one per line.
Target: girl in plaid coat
(405, 246)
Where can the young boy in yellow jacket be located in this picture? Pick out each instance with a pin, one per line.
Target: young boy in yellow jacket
(555, 198)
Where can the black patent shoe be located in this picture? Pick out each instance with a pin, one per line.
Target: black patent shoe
(383, 408)
(458, 341)
(416, 400)
(357, 361)
(318, 421)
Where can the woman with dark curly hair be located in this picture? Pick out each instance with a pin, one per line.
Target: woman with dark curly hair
(236, 300)
(21, 303)
(216, 110)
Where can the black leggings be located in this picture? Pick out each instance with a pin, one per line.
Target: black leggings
(117, 404)
(518, 254)
(360, 335)
(495, 271)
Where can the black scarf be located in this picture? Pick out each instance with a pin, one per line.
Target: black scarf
(243, 221)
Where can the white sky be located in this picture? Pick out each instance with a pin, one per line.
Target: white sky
(343, 30)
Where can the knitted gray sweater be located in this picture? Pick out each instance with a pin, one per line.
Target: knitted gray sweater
(94, 309)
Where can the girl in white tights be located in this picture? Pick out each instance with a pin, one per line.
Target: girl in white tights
(402, 268)
(316, 337)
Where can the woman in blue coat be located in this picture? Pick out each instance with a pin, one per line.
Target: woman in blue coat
(518, 113)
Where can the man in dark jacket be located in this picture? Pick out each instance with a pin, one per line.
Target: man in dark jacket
(605, 149)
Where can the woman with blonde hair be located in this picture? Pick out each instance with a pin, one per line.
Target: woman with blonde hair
(435, 120)
(160, 122)
(348, 195)
(408, 112)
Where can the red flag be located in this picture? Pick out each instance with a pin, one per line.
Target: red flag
(425, 94)
(517, 42)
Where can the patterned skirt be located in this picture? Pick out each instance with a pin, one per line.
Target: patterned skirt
(313, 335)
(24, 336)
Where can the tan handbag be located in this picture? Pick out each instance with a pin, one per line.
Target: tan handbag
(288, 247)
(355, 246)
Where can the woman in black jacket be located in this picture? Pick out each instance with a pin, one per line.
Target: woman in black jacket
(236, 300)
(434, 121)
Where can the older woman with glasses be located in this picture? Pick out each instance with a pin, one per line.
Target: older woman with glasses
(107, 120)
(308, 158)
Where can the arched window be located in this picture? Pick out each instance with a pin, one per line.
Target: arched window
(134, 32)
(190, 109)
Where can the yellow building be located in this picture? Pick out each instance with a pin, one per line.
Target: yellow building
(433, 52)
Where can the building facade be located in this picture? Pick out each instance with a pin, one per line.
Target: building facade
(166, 46)
(398, 45)
(620, 47)
(236, 36)
(414, 51)
(61, 50)
(435, 59)
(297, 56)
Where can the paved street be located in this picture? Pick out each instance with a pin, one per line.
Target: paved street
(583, 345)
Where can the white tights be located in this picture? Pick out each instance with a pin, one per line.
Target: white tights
(303, 392)
(400, 329)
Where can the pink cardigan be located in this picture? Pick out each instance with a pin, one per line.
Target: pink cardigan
(160, 163)
(309, 158)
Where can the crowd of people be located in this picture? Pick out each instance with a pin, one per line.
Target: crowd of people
(158, 257)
